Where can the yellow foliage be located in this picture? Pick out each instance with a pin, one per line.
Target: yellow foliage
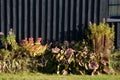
(102, 36)
(34, 49)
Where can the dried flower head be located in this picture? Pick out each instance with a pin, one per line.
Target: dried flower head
(55, 50)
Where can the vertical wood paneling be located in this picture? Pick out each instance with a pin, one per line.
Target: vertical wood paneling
(74, 20)
(45, 27)
(92, 10)
(80, 33)
(28, 18)
(77, 19)
(118, 36)
(2, 15)
(77, 12)
(14, 16)
(62, 32)
(37, 18)
(40, 19)
(66, 19)
(53, 20)
(71, 19)
(5, 17)
(86, 13)
(17, 20)
(60, 17)
(95, 10)
(43, 19)
(23, 31)
(25, 18)
(20, 18)
(31, 18)
(83, 12)
(89, 10)
(57, 20)
(9, 13)
(49, 20)
(103, 9)
(34, 18)
(98, 12)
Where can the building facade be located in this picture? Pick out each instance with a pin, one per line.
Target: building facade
(56, 20)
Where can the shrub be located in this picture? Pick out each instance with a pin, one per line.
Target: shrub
(115, 61)
(8, 61)
(77, 58)
(74, 58)
(23, 57)
(102, 39)
(33, 48)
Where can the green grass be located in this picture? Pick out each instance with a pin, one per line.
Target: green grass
(40, 76)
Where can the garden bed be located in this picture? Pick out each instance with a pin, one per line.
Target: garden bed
(90, 56)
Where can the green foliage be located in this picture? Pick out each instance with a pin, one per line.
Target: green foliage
(9, 60)
(101, 36)
(115, 61)
(11, 40)
(15, 58)
(102, 39)
(64, 59)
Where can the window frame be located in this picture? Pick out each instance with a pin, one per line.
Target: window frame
(117, 14)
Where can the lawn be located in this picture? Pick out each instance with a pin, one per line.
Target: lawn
(40, 76)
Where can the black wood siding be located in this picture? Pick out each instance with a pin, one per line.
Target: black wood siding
(53, 20)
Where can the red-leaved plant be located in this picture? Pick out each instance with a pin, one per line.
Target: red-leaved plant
(33, 48)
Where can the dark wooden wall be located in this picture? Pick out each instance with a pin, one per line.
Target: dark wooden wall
(53, 20)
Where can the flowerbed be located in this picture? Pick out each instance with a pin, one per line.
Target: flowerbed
(89, 56)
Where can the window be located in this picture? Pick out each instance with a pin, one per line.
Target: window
(114, 8)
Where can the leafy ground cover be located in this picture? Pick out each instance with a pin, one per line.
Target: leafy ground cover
(40, 76)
